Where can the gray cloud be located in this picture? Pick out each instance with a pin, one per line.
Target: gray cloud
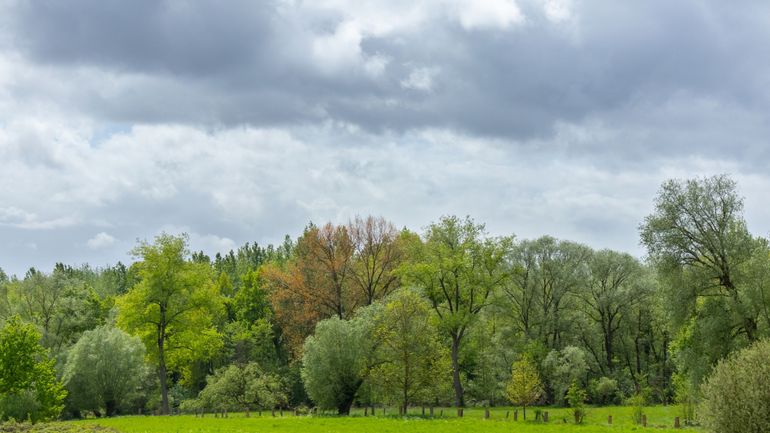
(242, 122)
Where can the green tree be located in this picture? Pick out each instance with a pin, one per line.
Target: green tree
(28, 384)
(736, 397)
(563, 368)
(104, 369)
(525, 387)
(412, 361)
(242, 387)
(336, 361)
(172, 308)
(576, 397)
(458, 267)
(697, 228)
(710, 269)
(614, 287)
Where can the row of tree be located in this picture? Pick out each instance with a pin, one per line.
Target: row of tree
(364, 313)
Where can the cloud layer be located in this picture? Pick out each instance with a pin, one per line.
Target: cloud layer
(244, 122)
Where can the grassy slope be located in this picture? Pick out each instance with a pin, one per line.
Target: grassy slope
(660, 419)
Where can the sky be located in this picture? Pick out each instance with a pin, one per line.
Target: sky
(242, 121)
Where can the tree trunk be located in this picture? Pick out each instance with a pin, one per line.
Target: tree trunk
(343, 408)
(458, 386)
(162, 376)
(110, 407)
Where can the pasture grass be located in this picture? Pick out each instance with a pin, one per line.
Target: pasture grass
(660, 420)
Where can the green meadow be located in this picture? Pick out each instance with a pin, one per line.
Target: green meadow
(659, 418)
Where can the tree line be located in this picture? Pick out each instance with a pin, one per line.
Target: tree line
(367, 314)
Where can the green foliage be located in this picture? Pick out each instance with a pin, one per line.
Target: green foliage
(564, 368)
(28, 385)
(710, 267)
(458, 268)
(686, 396)
(525, 387)
(604, 391)
(245, 387)
(172, 308)
(736, 397)
(637, 402)
(104, 370)
(412, 365)
(576, 397)
(336, 360)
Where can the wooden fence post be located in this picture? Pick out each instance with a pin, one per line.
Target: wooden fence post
(644, 420)
(486, 413)
(431, 411)
(609, 419)
(545, 416)
(676, 423)
(516, 415)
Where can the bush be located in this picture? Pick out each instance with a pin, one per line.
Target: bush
(104, 370)
(576, 397)
(736, 397)
(29, 389)
(637, 402)
(604, 391)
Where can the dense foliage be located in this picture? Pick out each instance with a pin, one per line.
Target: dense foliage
(363, 314)
(28, 385)
(736, 398)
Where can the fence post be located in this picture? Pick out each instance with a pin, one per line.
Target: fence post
(545, 416)
(676, 423)
(609, 419)
(459, 412)
(644, 420)
(516, 415)
(486, 413)
(431, 411)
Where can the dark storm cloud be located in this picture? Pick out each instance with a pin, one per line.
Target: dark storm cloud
(239, 121)
(252, 63)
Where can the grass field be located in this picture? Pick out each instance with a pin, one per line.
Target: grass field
(659, 418)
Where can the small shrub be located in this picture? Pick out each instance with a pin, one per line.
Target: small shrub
(686, 396)
(637, 402)
(604, 391)
(736, 397)
(576, 397)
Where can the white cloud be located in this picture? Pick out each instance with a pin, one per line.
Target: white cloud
(488, 14)
(420, 79)
(558, 10)
(101, 241)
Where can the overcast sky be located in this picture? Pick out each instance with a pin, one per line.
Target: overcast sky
(241, 121)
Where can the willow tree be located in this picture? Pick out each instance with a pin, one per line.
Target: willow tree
(709, 266)
(172, 308)
(458, 267)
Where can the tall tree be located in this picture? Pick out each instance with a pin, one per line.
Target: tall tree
(172, 308)
(411, 358)
(545, 274)
(698, 227)
(458, 267)
(314, 284)
(378, 253)
(613, 289)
